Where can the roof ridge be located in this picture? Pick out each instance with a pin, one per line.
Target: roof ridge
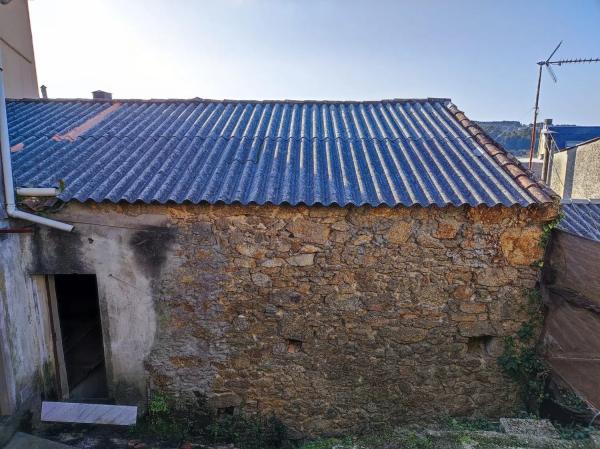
(227, 101)
(537, 190)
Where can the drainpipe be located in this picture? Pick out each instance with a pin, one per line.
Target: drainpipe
(546, 143)
(9, 190)
(37, 191)
(548, 174)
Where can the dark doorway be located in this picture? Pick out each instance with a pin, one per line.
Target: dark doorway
(81, 331)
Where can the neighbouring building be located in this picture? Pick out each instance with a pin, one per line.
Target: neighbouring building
(338, 264)
(16, 45)
(571, 166)
(575, 172)
(568, 160)
(572, 293)
(19, 361)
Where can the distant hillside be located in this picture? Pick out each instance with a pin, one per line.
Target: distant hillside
(513, 136)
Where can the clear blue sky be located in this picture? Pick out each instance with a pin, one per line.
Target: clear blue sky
(480, 53)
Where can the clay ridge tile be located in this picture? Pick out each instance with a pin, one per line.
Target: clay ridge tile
(537, 190)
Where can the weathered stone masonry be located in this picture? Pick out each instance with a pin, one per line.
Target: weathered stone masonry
(334, 319)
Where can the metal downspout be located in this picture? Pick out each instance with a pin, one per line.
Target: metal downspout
(9, 190)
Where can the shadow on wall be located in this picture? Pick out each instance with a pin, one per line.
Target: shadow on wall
(569, 174)
(150, 247)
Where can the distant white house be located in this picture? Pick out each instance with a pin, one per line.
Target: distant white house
(569, 159)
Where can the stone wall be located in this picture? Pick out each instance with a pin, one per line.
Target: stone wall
(334, 319)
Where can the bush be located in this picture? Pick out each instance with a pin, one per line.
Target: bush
(520, 359)
(248, 432)
(198, 420)
(159, 420)
(471, 424)
(523, 364)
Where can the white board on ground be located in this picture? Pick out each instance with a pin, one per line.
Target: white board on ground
(70, 412)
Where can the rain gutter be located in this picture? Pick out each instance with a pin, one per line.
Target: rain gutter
(9, 190)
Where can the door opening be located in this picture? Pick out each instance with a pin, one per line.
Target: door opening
(81, 336)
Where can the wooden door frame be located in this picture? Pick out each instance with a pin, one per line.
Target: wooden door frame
(59, 355)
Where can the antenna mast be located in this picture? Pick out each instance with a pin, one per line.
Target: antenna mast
(548, 64)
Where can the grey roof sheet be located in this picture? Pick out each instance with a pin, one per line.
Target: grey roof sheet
(581, 219)
(391, 152)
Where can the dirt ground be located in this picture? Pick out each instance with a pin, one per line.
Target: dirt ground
(113, 437)
(107, 437)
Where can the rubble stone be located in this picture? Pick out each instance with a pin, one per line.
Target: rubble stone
(336, 319)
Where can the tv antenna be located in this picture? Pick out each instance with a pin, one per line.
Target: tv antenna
(548, 65)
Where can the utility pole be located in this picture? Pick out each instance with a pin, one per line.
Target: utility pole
(548, 64)
(535, 114)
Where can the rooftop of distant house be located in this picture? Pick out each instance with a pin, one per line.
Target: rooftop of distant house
(567, 136)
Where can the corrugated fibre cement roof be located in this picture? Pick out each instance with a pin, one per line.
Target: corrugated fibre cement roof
(581, 218)
(390, 152)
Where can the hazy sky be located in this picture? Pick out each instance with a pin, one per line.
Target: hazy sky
(480, 53)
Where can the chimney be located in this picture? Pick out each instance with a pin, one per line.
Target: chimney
(101, 95)
(543, 140)
(545, 148)
(44, 90)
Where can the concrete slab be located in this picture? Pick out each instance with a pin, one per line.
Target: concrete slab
(70, 412)
(533, 427)
(8, 427)
(441, 439)
(25, 441)
(595, 437)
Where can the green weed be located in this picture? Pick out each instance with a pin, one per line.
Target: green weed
(547, 229)
(201, 422)
(470, 424)
(328, 443)
(573, 432)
